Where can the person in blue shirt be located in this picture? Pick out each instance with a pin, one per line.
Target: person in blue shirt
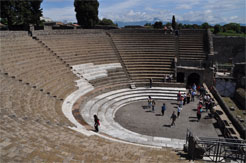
(163, 108)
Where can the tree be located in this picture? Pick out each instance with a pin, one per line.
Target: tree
(147, 24)
(180, 25)
(173, 22)
(205, 25)
(105, 21)
(86, 12)
(217, 28)
(233, 26)
(195, 26)
(158, 25)
(21, 12)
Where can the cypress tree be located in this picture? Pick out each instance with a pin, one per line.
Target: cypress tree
(173, 23)
(86, 12)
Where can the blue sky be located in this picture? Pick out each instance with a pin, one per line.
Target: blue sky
(211, 11)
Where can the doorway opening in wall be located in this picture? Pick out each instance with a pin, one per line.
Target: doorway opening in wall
(193, 78)
(180, 77)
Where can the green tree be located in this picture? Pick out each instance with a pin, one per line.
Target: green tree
(205, 25)
(168, 24)
(147, 24)
(233, 26)
(173, 22)
(180, 25)
(86, 12)
(158, 25)
(195, 26)
(105, 21)
(21, 12)
(217, 28)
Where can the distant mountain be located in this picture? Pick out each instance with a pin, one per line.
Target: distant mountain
(142, 23)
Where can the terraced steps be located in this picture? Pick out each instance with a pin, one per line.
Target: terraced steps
(106, 105)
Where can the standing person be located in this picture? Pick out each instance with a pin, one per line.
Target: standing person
(193, 96)
(163, 109)
(194, 87)
(199, 112)
(173, 117)
(207, 101)
(153, 105)
(178, 96)
(179, 110)
(150, 82)
(181, 102)
(188, 98)
(184, 96)
(149, 102)
(96, 123)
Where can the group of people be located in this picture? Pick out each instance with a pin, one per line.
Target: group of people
(171, 30)
(205, 101)
(151, 105)
(167, 78)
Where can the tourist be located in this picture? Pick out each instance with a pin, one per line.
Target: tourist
(188, 98)
(165, 29)
(163, 109)
(185, 98)
(181, 101)
(211, 104)
(207, 101)
(179, 110)
(199, 112)
(173, 117)
(178, 96)
(153, 105)
(97, 123)
(194, 87)
(190, 90)
(202, 91)
(193, 96)
(150, 82)
(149, 102)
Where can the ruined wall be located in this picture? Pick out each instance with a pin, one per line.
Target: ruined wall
(229, 47)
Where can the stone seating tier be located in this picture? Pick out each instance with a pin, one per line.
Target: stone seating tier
(31, 63)
(106, 105)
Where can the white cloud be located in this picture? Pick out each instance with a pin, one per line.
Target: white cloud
(61, 14)
(184, 6)
(211, 11)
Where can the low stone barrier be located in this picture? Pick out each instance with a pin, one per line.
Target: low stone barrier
(226, 109)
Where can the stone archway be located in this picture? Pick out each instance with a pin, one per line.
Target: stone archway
(193, 78)
(180, 77)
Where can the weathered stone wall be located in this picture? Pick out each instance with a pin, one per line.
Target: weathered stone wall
(240, 97)
(13, 33)
(229, 47)
(66, 32)
(240, 128)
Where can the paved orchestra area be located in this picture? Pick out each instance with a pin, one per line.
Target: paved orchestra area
(137, 117)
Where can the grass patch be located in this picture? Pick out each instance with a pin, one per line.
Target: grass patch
(231, 34)
(237, 111)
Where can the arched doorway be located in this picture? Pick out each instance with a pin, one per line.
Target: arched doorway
(180, 77)
(193, 78)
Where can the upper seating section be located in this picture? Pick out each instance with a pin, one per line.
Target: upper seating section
(192, 45)
(145, 53)
(81, 47)
(27, 60)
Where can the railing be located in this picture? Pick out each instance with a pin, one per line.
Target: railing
(217, 150)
